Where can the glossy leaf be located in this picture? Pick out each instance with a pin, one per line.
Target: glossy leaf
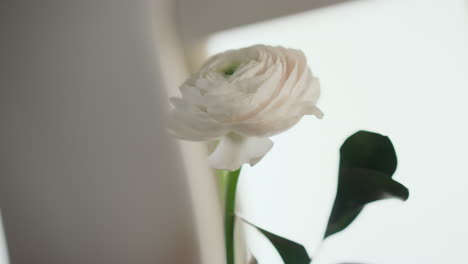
(290, 251)
(367, 163)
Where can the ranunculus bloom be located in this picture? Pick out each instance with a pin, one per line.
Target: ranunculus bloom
(242, 97)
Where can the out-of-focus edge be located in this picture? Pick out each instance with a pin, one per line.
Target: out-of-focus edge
(200, 178)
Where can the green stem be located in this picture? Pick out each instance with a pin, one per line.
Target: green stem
(229, 213)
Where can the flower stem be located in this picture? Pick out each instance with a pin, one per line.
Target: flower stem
(229, 213)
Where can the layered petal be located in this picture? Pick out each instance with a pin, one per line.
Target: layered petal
(243, 97)
(190, 123)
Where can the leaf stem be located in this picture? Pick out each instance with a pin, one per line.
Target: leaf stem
(229, 213)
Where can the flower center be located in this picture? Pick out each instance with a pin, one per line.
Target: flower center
(228, 71)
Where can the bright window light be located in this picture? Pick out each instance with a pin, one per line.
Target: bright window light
(3, 247)
(399, 68)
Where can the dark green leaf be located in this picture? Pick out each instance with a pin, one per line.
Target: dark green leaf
(290, 251)
(368, 150)
(367, 163)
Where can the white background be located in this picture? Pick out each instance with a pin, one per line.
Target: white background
(399, 68)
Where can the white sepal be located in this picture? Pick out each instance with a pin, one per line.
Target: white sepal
(234, 150)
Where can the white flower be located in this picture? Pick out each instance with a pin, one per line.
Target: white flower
(242, 97)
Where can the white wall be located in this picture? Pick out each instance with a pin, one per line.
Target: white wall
(395, 67)
(87, 172)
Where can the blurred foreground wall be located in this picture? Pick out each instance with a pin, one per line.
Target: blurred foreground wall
(87, 173)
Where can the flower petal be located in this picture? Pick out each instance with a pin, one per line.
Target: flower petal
(234, 150)
(190, 123)
(275, 123)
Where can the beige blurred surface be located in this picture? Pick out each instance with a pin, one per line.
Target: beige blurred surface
(87, 172)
